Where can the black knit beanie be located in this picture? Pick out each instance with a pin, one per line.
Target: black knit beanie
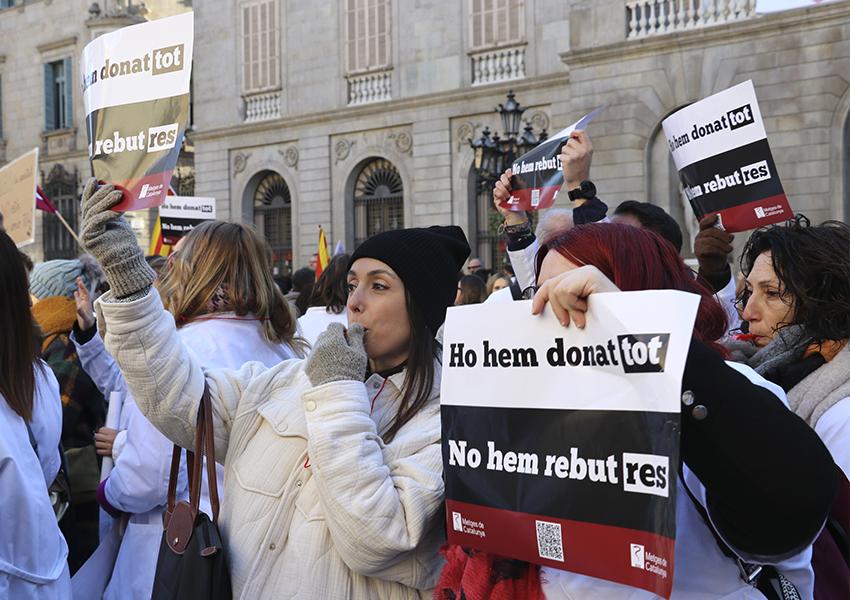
(427, 260)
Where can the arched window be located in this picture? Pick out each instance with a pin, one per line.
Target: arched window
(273, 218)
(378, 200)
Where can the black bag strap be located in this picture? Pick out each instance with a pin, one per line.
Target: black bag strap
(758, 576)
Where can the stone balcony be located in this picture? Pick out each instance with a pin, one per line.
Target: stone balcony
(646, 18)
(498, 64)
(366, 88)
(263, 106)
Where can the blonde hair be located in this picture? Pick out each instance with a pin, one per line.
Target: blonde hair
(228, 259)
(491, 282)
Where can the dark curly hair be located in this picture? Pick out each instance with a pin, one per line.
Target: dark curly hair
(813, 267)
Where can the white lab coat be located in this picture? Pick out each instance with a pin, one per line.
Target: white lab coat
(316, 320)
(33, 552)
(138, 483)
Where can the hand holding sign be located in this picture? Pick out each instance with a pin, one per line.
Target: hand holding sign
(108, 237)
(576, 156)
(712, 246)
(501, 200)
(567, 294)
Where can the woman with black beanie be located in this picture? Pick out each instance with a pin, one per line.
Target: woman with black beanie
(333, 464)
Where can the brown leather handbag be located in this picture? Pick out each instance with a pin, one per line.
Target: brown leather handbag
(191, 563)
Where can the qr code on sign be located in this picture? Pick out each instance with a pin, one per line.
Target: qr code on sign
(549, 542)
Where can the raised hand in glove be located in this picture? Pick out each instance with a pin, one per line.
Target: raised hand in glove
(712, 248)
(337, 355)
(107, 236)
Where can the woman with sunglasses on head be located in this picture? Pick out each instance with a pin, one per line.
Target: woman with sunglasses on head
(334, 469)
(740, 444)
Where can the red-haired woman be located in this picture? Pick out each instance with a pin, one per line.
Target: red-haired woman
(756, 483)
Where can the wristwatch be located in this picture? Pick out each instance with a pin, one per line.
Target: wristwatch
(585, 191)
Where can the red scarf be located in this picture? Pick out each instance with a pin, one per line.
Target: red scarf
(476, 575)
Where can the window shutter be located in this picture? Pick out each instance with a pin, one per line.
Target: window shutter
(69, 94)
(49, 116)
(260, 39)
(495, 22)
(367, 32)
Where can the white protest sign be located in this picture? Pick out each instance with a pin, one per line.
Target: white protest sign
(135, 83)
(179, 215)
(18, 181)
(561, 445)
(725, 165)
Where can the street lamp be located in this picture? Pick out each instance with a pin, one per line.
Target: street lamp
(494, 154)
(511, 113)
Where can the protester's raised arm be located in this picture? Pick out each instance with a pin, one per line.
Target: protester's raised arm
(165, 380)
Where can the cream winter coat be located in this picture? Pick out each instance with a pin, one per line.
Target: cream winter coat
(316, 505)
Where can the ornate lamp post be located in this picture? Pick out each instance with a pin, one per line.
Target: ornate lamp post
(494, 154)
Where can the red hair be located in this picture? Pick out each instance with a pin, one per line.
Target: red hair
(639, 259)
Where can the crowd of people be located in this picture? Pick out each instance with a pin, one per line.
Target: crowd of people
(325, 398)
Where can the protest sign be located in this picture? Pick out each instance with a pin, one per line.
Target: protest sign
(536, 175)
(561, 445)
(136, 96)
(769, 6)
(179, 215)
(721, 151)
(18, 182)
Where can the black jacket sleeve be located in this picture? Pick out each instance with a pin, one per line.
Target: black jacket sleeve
(590, 212)
(769, 479)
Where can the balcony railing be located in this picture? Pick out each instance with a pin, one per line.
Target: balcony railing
(656, 17)
(262, 107)
(369, 87)
(500, 64)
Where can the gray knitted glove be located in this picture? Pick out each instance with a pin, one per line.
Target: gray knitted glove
(335, 358)
(108, 237)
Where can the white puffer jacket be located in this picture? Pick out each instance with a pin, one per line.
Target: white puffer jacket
(316, 505)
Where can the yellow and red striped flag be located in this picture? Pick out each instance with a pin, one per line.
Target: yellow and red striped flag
(158, 247)
(324, 253)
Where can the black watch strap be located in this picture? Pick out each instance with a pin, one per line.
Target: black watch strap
(586, 191)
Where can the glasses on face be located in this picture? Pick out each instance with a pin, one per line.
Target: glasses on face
(742, 299)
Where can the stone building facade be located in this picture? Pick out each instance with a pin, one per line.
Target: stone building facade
(356, 114)
(41, 102)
